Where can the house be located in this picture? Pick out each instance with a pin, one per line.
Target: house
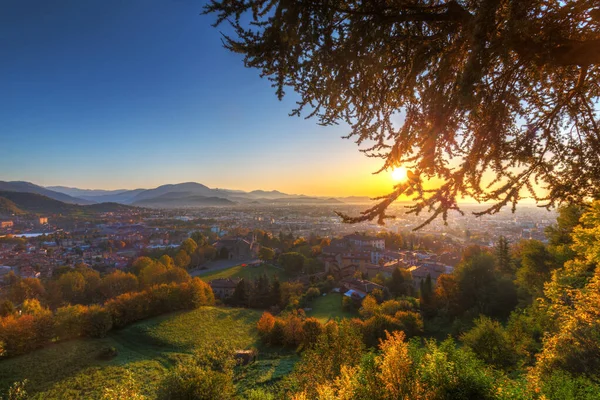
(237, 249)
(6, 224)
(365, 241)
(434, 270)
(223, 288)
(359, 287)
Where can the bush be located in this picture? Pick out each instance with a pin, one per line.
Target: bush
(70, 321)
(312, 329)
(312, 293)
(98, 322)
(208, 375)
(265, 326)
(490, 342)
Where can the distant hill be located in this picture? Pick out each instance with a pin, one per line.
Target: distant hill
(305, 200)
(99, 196)
(185, 189)
(193, 194)
(356, 199)
(273, 194)
(183, 200)
(27, 187)
(38, 204)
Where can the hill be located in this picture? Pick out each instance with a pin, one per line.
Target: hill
(183, 200)
(145, 350)
(7, 207)
(186, 189)
(27, 187)
(193, 194)
(39, 204)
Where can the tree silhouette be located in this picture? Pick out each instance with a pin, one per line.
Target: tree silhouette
(493, 100)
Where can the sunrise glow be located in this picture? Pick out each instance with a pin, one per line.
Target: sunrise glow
(399, 174)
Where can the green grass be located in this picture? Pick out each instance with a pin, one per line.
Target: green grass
(245, 272)
(72, 370)
(329, 307)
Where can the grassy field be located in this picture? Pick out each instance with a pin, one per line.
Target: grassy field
(72, 370)
(328, 307)
(245, 272)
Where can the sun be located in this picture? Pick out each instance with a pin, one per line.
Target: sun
(399, 174)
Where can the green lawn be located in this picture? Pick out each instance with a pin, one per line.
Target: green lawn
(245, 272)
(72, 370)
(328, 307)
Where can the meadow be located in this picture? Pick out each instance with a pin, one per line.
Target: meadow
(329, 307)
(246, 272)
(76, 370)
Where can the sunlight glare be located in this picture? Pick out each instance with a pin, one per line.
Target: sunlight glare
(399, 174)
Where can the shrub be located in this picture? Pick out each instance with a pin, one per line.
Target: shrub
(265, 326)
(312, 293)
(312, 329)
(208, 375)
(98, 322)
(490, 342)
(6, 308)
(69, 321)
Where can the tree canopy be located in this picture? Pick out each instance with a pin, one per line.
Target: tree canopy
(493, 100)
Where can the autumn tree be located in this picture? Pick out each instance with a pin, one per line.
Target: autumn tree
(140, 263)
(167, 261)
(182, 259)
(189, 246)
(266, 253)
(491, 100)
(117, 283)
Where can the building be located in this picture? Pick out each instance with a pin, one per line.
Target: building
(6, 224)
(223, 288)
(365, 241)
(357, 288)
(237, 249)
(43, 220)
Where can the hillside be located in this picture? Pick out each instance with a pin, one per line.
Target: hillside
(183, 199)
(193, 194)
(147, 349)
(7, 207)
(27, 187)
(39, 204)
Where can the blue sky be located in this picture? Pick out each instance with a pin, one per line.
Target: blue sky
(137, 93)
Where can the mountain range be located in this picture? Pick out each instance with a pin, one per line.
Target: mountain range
(181, 195)
(17, 203)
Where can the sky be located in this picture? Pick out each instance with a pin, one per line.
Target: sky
(138, 93)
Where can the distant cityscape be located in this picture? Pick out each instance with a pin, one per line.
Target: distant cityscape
(114, 238)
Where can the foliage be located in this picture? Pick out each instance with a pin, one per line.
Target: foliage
(117, 283)
(205, 376)
(490, 342)
(38, 326)
(492, 86)
(536, 265)
(266, 254)
(125, 390)
(292, 262)
(482, 290)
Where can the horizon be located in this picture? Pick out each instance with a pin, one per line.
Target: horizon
(78, 110)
